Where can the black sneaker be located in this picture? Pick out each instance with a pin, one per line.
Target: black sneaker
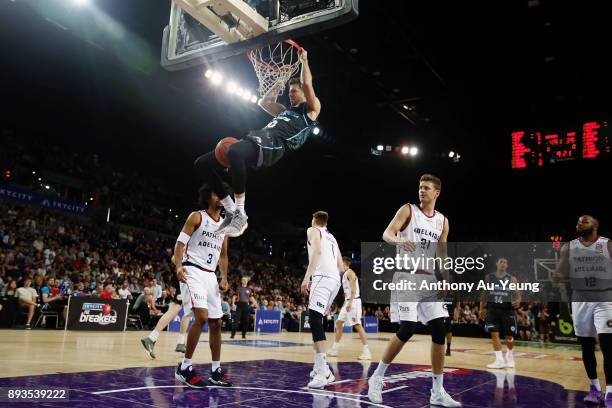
(28, 326)
(448, 352)
(189, 377)
(219, 379)
(148, 344)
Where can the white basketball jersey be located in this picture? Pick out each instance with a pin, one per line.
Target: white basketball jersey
(590, 266)
(346, 286)
(328, 261)
(422, 229)
(204, 246)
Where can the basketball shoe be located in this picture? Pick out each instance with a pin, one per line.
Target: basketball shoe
(219, 379)
(148, 345)
(189, 376)
(594, 396)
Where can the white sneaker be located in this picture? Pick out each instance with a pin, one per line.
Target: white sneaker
(320, 379)
(442, 398)
(237, 225)
(312, 374)
(375, 386)
(510, 363)
(365, 355)
(332, 352)
(497, 364)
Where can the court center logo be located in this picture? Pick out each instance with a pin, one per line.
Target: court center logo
(100, 313)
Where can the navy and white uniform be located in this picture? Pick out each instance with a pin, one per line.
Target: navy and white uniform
(425, 231)
(591, 279)
(201, 256)
(354, 316)
(288, 131)
(326, 276)
(500, 315)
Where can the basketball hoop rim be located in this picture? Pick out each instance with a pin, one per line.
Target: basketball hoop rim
(268, 66)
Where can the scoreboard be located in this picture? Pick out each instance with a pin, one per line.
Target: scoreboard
(592, 140)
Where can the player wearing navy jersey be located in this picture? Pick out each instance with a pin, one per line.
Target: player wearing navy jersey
(498, 308)
(201, 249)
(287, 132)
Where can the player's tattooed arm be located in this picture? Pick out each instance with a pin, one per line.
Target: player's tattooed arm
(268, 102)
(193, 220)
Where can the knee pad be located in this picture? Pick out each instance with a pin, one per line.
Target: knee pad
(406, 330)
(316, 325)
(437, 330)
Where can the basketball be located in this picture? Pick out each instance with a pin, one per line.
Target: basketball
(221, 150)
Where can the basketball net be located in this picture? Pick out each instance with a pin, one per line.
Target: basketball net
(275, 64)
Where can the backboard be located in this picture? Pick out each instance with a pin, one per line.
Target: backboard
(203, 31)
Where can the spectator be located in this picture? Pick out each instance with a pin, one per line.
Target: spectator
(379, 313)
(55, 303)
(80, 290)
(157, 289)
(10, 288)
(27, 300)
(124, 291)
(108, 292)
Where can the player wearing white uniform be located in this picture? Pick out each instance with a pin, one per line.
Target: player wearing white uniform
(418, 226)
(324, 266)
(587, 261)
(350, 311)
(201, 249)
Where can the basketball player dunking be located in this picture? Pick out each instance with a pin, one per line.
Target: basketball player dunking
(287, 132)
(498, 308)
(350, 311)
(587, 261)
(325, 267)
(418, 225)
(201, 248)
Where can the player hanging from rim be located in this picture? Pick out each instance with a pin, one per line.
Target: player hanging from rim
(499, 309)
(201, 249)
(350, 311)
(587, 261)
(287, 132)
(174, 308)
(418, 225)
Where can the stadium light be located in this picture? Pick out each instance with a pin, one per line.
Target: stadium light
(209, 73)
(254, 98)
(316, 131)
(405, 150)
(451, 154)
(47, 187)
(239, 91)
(414, 151)
(216, 78)
(231, 87)
(246, 95)
(33, 172)
(80, 2)
(380, 148)
(40, 179)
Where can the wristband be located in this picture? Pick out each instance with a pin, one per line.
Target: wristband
(183, 238)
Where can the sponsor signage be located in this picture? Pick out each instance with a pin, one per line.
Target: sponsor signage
(96, 314)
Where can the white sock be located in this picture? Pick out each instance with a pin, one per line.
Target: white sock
(228, 204)
(181, 339)
(510, 378)
(186, 363)
(240, 203)
(381, 369)
(154, 335)
(319, 361)
(608, 389)
(499, 356)
(437, 380)
(215, 365)
(509, 355)
(335, 346)
(365, 347)
(595, 382)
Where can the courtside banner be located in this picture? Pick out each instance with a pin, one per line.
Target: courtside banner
(14, 193)
(370, 324)
(268, 321)
(96, 314)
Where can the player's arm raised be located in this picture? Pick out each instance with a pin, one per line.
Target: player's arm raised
(314, 239)
(268, 101)
(223, 265)
(314, 105)
(179, 248)
(390, 235)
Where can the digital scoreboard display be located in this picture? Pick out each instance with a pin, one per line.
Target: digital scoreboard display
(537, 148)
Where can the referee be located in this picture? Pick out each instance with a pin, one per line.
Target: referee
(241, 300)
